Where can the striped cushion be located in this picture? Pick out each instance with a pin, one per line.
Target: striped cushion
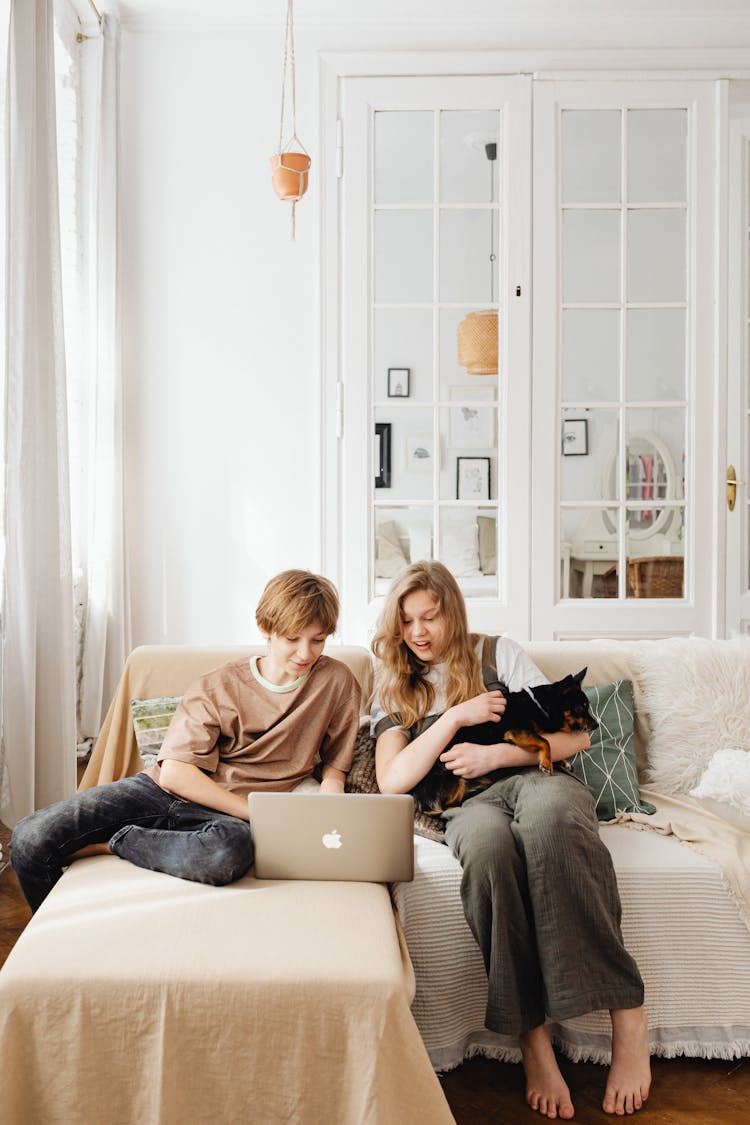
(151, 718)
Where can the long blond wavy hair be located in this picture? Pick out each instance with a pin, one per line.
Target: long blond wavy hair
(400, 676)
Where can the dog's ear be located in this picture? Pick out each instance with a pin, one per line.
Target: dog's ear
(578, 679)
(565, 682)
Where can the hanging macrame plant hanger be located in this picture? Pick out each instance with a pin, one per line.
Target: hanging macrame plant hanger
(291, 163)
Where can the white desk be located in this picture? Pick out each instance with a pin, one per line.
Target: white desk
(591, 557)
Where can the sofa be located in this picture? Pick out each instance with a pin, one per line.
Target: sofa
(131, 989)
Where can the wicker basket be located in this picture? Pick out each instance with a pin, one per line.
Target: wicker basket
(477, 343)
(605, 585)
(656, 576)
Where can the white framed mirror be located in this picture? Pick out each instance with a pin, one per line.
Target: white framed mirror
(649, 475)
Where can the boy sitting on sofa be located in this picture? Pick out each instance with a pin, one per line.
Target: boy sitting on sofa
(253, 724)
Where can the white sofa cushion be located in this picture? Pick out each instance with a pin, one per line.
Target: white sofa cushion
(691, 1010)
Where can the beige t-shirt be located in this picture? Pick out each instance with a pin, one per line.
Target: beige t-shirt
(249, 737)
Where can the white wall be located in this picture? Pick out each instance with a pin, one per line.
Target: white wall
(220, 310)
(219, 336)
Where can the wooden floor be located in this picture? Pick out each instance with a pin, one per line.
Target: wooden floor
(481, 1092)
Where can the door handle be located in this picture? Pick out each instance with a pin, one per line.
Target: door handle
(731, 483)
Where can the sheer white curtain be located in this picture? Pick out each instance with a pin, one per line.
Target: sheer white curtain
(106, 621)
(38, 658)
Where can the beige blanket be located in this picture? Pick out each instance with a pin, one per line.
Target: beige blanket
(133, 997)
(688, 821)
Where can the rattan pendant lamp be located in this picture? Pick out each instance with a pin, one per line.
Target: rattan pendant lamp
(290, 164)
(477, 332)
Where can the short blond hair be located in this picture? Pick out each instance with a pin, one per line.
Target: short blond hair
(296, 599)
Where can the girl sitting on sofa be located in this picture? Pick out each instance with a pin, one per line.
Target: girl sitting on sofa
(538, 885)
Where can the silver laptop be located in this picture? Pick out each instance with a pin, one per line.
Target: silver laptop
(366, 837)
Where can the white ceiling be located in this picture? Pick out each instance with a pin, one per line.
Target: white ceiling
(469, 24)
(424, 11)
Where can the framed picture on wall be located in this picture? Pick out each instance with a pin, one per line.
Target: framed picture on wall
(472, 478)
(575, 437)
(382, 454)
(420, 453)
(472, 426)
(398, 382)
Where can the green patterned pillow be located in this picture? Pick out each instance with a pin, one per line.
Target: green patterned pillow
(151, 717)
(609, 768)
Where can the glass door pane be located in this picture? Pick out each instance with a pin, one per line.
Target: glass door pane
(624, 354)
(429, 324)
(438, 248)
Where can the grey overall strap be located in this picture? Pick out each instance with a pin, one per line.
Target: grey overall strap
(489, 665)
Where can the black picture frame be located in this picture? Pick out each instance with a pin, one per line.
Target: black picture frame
(575, 437)
(473, 478)
(398, 382)
(382, 454)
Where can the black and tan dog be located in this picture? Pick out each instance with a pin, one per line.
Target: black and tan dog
(528, 716)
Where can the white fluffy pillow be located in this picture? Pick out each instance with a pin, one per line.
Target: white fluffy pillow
(420, 543)
(460, 551)
(697, 695)
(725, 785)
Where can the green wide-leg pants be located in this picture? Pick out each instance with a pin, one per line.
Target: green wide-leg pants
(540, 895)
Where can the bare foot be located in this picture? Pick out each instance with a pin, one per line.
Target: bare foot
(90, 849)
(629, 1078)
(546, 1090)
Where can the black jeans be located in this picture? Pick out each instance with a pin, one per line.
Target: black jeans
(140, 822)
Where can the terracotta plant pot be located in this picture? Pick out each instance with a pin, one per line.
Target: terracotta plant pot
(290, 174)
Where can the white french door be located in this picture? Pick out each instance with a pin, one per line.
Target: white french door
(625, 371)
(435, 229)
(572, 482)
(738, 391)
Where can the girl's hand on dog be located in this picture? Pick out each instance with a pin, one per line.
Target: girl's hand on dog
(484, 708)
(466, 759)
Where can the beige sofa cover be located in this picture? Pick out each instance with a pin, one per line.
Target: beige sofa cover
(134, 997)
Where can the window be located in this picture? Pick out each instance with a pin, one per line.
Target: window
(69, 163)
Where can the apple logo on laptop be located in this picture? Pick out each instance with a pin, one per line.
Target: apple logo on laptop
(332, 839)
